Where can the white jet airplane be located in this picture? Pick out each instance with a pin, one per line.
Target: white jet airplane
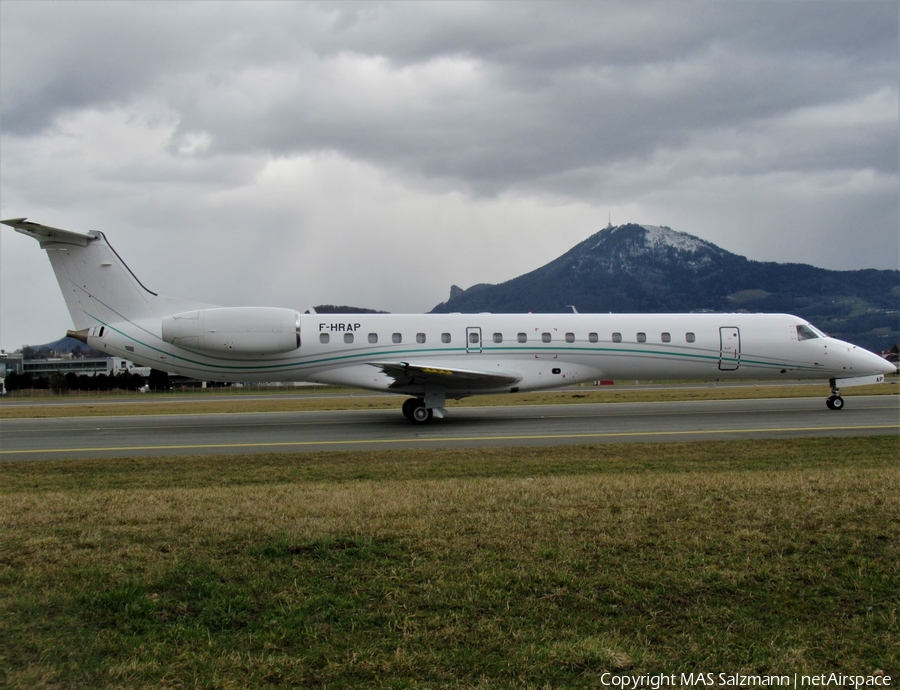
(430, 357)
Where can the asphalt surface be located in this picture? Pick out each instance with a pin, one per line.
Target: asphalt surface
(186, 434)
(96, 399)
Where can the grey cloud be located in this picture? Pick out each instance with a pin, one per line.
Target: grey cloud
(559, 88)
(552, 96)
(63, 56)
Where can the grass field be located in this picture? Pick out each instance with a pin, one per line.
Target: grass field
(311, 399)
(541, 567)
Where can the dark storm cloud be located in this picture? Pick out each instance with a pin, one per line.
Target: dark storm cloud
(554, 91)
(526, 90)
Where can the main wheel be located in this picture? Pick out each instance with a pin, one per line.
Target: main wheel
(421, 414)
(408, 406)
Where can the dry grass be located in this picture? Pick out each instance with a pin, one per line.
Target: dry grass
(488, 568)
(280, 402)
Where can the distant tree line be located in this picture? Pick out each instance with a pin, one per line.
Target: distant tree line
(59, 382)
(51, 352)
(344, 309)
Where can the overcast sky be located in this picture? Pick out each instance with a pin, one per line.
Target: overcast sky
(293, 154)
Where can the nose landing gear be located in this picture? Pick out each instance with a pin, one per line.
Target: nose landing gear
(834, 401)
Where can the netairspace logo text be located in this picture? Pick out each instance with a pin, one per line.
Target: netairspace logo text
(718, 680)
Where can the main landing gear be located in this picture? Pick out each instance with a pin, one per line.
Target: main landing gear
(429, 406)
(835, 401)
(415, 411)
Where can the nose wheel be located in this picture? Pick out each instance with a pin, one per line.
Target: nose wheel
(834, 401)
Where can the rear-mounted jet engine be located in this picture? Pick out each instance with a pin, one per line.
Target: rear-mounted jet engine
(234, 330)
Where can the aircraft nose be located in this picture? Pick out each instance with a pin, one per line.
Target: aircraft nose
(862, 362)
(887, 367)
(877, 363)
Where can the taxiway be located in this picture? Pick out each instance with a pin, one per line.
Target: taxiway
(186, 434)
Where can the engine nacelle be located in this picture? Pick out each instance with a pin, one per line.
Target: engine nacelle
(234, 330)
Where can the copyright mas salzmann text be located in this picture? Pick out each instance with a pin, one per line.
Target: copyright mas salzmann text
(712, 680)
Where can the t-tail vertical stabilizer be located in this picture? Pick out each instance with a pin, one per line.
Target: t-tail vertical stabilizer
(98, 286)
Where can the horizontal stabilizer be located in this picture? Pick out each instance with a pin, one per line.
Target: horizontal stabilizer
(48, 236)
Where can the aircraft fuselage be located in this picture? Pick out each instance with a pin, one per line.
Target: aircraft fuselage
(543, 350)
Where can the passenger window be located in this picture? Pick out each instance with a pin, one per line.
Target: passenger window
(348, 338)
(396, 338)
(666, 337)
(522, 338)
(498, 337)
(642, 337)
(690, 337)
(324, 338)
(373, 338)
(445, 337)
(420, 338)
(806, 333)
(474, 337)
(545, 337)
(570, 337)
(593, 338)
(617, 337)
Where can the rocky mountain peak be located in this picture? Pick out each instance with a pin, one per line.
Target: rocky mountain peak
(625, 245)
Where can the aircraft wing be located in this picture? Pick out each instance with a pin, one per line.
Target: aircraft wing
(408, 375)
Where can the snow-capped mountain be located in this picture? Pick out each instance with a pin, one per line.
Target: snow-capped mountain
(646, 268)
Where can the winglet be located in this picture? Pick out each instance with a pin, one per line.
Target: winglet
(47, 236)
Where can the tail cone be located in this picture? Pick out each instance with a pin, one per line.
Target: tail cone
(81, 335)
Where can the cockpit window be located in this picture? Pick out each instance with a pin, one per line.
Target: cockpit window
(806, 332)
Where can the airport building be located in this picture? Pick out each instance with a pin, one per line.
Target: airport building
(85, 366)
(10, 364)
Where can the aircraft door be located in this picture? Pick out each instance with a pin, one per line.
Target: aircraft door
(729, 348)
(473, 339)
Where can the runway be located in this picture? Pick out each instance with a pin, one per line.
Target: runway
(252, 433)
